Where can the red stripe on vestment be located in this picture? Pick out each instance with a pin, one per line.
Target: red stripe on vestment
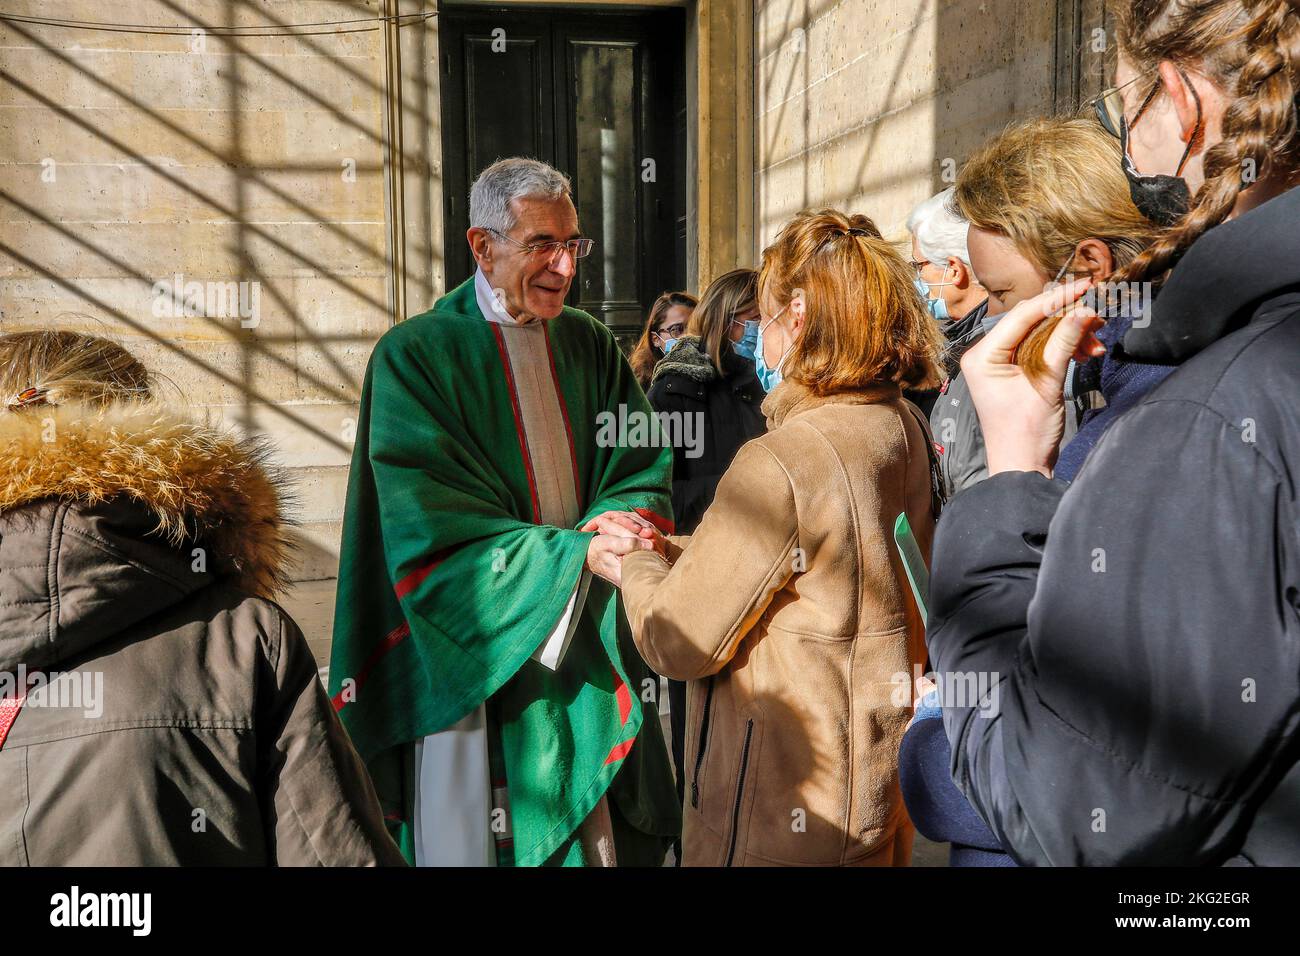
(620, 751)
(663, 524)
(519, 420)
(413, 580)
(391, 640)
(564, 412)
(624, 698)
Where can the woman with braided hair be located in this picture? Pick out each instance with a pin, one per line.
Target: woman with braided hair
(1146, 708)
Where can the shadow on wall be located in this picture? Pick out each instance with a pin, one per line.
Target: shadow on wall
(987, 77)
(216, 203)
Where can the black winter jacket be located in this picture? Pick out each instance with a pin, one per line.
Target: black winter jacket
(686, 382)
(1135, 635)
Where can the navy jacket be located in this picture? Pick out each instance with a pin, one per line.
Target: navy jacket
(1122, 384)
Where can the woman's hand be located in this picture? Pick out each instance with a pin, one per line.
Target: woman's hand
(619, 533)
(628, 524)
(1023, 418)
(623, 523)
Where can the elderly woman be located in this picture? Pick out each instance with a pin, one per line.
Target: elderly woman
(788, 609)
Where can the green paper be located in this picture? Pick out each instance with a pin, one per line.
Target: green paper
(918, 575)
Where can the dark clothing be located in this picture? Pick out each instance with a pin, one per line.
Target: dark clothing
(934, 803)
(686, 381)
(956, 427)
(960, 335)
(188, 725)
(1146, 710)
(1122, 383)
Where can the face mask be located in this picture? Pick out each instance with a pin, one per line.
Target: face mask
(668, 345)
(748, 342)
(938, 308)
(1162, 199)
(769, 378)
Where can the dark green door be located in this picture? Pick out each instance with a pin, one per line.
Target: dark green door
(599, 96)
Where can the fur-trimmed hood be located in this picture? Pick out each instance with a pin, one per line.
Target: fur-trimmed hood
(201, 485)
(687, 358)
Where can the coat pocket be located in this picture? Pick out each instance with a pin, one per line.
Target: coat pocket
(702, 743)
(739, 798)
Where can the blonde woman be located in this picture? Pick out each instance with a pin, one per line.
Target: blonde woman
(788, 609)
(1047, 200)
(139, 552)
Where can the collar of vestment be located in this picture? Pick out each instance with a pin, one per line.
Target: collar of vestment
(491, 304)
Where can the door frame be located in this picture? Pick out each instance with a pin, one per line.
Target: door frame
(721, 199)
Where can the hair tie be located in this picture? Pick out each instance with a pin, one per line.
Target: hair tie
(28, 396)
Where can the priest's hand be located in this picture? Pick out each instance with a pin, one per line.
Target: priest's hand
(605, 554)
(627, 524)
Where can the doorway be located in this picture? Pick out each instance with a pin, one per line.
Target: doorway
(600, 96)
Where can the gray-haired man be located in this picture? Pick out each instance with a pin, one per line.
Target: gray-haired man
(481, 663)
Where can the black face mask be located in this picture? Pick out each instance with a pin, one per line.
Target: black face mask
(1162, 199)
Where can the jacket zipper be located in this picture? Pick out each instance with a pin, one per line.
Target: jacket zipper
(699, 751)
(740, 791)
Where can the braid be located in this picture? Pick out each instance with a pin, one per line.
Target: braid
(1259, 132)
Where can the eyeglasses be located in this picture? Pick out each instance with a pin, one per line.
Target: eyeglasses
(918, 266)
(1109, 105)
(578, 248)
(672, 331)
(1110, 111)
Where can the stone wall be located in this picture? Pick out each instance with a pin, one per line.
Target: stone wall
(133, 162)
(871, 105)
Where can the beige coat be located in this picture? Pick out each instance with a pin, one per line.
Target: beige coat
(188, 725)
(790, 614)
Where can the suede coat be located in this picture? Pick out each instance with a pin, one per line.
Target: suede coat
(789, 612)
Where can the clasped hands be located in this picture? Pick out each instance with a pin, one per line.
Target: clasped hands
(619, 533)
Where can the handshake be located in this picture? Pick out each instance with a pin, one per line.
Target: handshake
(620, 533)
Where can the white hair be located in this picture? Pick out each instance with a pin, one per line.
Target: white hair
(507, 180)
(939, 231)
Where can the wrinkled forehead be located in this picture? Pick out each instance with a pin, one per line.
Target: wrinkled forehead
(540, 219)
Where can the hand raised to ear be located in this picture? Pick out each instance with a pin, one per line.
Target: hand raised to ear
(1022, 415)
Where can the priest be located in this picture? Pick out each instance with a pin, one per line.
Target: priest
(481, 660)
